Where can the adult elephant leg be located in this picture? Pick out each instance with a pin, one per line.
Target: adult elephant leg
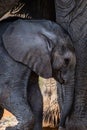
(1, 112)
(16, 103)
(71, 19)
(78, 117)
(35, 100)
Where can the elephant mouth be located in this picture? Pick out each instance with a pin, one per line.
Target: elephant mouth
(57, 74)
(60, 78)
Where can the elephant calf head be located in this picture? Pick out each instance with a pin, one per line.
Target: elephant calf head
(47, 50)
(63, 61)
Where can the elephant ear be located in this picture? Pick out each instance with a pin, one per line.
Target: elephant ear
(29, 49)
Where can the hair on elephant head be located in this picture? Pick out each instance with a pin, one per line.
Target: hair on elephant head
(44, 48)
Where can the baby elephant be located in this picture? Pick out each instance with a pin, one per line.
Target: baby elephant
(29, 49)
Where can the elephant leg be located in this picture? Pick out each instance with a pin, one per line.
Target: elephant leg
(16, 103)
(35, 101)
(1, 112)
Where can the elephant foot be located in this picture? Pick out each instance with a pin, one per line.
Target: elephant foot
(61, 128)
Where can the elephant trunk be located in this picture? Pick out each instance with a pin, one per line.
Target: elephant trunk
(68, 95)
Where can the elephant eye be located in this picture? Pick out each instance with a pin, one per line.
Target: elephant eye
(63, 48)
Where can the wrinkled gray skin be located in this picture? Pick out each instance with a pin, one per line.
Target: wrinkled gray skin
(72, 15)
(29, 49)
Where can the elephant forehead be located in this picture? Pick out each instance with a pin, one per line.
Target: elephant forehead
(26, 43)
(30, 27)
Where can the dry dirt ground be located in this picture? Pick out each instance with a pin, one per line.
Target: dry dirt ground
(9, 120)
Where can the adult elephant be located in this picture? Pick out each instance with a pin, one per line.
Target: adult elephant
(72, 16)
(29, 49)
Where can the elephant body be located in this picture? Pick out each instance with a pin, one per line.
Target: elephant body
(72, 15)
(29, 49)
